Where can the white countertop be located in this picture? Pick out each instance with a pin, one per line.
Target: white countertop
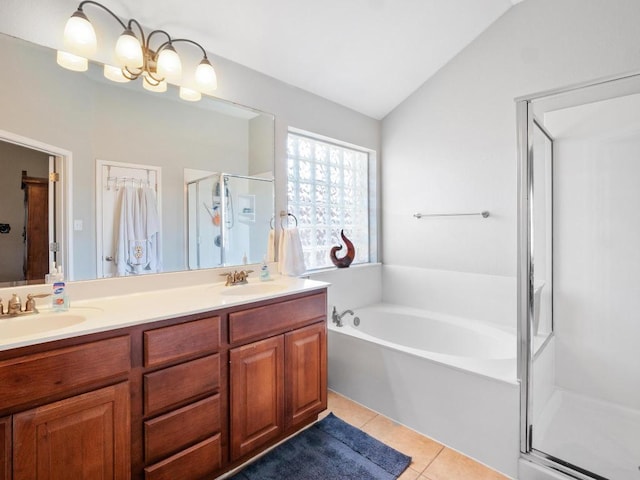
(112, 312)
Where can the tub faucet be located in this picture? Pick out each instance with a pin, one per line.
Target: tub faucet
(337, 317)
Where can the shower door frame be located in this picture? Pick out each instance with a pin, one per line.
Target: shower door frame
(525, 121)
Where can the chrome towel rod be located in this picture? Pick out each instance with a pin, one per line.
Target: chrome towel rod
(484, 214)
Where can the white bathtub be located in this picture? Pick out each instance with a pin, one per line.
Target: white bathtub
(475, 346)
(449, 378)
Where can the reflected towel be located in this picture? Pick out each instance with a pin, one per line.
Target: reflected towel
(131, 246)
(151, 220)
(291, 257)
(271, 246)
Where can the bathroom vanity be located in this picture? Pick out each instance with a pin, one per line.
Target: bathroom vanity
(170, 396)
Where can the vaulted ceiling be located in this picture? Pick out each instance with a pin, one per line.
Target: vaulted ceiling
(368, 55)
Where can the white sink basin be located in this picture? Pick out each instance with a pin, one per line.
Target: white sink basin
(253, 289)
(43, 322)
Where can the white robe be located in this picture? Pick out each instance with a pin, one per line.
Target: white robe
(138, 240)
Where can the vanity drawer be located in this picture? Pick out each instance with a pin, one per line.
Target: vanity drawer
(31, 377)
(170, 433)
(177, 385)
(176, 342)
(196, 462)
(262, 322)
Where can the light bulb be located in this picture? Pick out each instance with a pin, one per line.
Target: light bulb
(168, 65)
(115, 74)
(79, 35)
(160, 87)
(206, 79)
(129, 51)
(72, 62)
(190, 95)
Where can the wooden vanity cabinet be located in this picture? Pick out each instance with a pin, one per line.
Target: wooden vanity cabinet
(85, 436)
(277, 384)
(189, 397)
(256, 394)
(5, 448)
(182, 400)
(68, 411)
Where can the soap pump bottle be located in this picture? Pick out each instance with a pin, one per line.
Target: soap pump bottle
(59, 298)
(264, 271)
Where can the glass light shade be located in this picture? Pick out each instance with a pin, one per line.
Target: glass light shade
(129, 51)
(206, 78)
(169, 65)
(159, 88)
(115, 74)
(72, 62)
(190, 95)
(79, 35)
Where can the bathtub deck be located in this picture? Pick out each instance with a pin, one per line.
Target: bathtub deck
(430, 459)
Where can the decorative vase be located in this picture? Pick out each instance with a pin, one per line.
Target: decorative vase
(345, 261)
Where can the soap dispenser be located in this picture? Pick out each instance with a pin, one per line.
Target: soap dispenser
(264, 271)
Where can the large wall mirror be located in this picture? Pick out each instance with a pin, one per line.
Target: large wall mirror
(207, 165)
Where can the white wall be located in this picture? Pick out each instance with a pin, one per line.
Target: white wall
(597, 259)
(451, 146)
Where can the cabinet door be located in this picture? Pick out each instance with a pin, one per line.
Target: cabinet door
(257, 394)
(305, 373)
(86, 436)
(5, 448)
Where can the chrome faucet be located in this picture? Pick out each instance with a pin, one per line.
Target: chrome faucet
(14, 306)
(236, 278)
(337, 317)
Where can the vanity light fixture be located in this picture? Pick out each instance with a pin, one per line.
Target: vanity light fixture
(134, 55)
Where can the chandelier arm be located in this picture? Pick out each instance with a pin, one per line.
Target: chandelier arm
(91, 2)
(168, 42)
(129, 74)
(175, 40)
(133, 21)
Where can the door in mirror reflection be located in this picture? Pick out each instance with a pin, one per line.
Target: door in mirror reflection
(129, 219)
(27, 213)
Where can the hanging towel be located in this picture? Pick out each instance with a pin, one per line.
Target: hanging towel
(291, 255)
(280, 250)
(151, 223)
(131, 245)
(271, 246)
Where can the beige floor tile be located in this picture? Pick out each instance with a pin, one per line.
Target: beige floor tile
(349, 411)
(451, 465)
(422, 450)
(409, 474)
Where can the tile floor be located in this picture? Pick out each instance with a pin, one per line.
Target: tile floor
(430, 460)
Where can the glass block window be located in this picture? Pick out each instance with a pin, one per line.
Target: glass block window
(327, 191)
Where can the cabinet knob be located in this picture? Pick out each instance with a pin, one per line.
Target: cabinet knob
(108, 259)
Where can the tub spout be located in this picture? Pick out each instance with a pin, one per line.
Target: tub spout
(337, 317)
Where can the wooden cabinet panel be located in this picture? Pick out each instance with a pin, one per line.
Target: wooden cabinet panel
(31, 377)
(5, 448)
(185, 340)
(194, 463)
(305, 373)
(260, 322)
(256, 395)
(170, 433)
(86, 436)
(177, 385)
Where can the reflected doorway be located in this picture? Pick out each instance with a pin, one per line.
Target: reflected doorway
(27, 213)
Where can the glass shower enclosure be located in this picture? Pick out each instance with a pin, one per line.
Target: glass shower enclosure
(228, 218)
(579, 279)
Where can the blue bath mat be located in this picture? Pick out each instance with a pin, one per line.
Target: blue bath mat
(329, 450)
